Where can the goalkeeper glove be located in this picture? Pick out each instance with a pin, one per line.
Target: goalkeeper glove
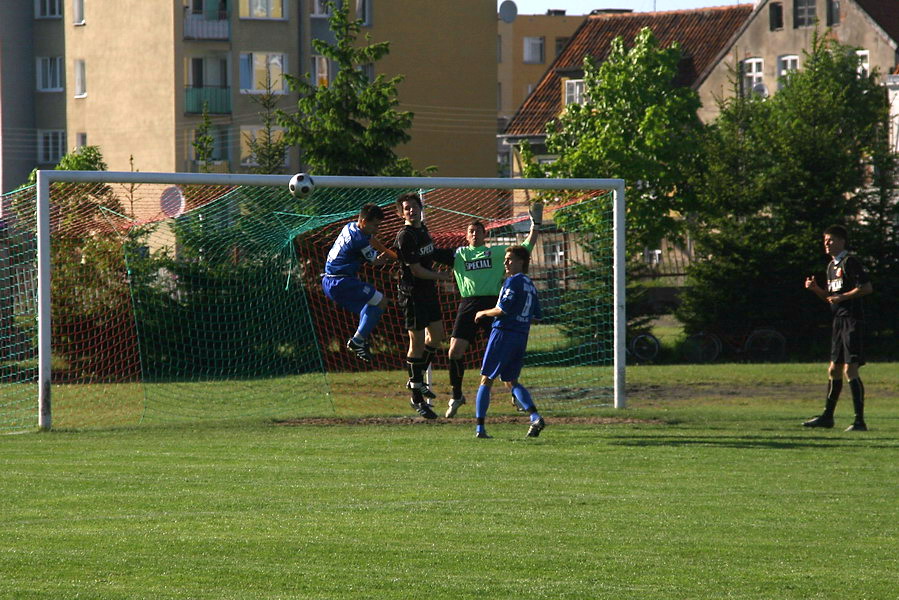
(536, 213)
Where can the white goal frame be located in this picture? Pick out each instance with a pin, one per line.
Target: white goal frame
(46, 177)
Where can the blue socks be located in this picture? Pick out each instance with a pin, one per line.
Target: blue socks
(368, 318)
(523, 397)
(481, 404)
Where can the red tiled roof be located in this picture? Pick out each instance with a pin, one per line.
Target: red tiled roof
(702, 35)
(885, 12)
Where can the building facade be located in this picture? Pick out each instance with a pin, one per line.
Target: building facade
(135, 82)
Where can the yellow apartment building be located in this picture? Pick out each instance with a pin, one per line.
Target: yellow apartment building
(132, 78)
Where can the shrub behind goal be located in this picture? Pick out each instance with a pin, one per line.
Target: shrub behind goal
(179, 297)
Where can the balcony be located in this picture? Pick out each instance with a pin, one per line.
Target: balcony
(207, 25)
(218, 100)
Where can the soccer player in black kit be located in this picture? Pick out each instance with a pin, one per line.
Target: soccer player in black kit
(418, 295)
(847, 283)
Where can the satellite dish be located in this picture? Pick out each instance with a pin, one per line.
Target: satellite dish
(171, 202)
(760, 90)
(508, 11)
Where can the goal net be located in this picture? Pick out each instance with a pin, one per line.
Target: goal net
(180, 297)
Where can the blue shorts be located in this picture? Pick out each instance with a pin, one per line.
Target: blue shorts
(348, 292)
(504, 355)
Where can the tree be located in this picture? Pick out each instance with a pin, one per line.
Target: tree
(268, 148)
(636, 124)
(203, 142)
(350, 126)
(778, 171)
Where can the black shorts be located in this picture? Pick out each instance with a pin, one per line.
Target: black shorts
(846, 341)
(420, 309)
(465, 327)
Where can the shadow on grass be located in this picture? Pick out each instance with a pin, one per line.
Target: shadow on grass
(769, 443)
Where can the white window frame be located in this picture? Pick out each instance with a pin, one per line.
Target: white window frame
(363, 12)
(51, 146)
(319, 9)
(864, 62)
(47, 9)
(267, 10)
(321, 71)
(50, 75)
(753, 73)
(534, 52)
(269, 58)
(575, 92)
(806, 14)
(247, 131)
(786, 64)
(78, 12)
(80, 71)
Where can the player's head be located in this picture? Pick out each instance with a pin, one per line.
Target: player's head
(370, 217)
(475, 233)
(836, 238)
(517, 260)
(408, 207)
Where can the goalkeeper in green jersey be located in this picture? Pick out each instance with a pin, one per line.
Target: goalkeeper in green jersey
(479, 275)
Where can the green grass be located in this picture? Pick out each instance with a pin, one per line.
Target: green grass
(723, 497)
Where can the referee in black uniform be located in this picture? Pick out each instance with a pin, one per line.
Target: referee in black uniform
(418, 295)
(847, 283)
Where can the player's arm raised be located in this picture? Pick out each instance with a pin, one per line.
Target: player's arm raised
(383, 249)
(425, 273)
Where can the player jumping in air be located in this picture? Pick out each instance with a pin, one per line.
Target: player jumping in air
(479, 275)
(516, 307)
(357, 242)
(418, 295)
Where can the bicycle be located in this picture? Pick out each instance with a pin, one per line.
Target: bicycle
(644, 347)
(760, 345)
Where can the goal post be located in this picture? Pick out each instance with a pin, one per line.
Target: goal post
(296, 235)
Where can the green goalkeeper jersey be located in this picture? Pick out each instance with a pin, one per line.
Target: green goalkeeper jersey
(479, 270)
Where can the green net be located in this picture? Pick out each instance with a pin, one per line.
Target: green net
(176, 303)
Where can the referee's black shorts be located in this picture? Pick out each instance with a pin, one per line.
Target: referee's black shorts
(420, 309)
(465, 327)
(846, 341)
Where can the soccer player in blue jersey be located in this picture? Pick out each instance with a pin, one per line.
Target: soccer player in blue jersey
(517, 305)
(357, 242)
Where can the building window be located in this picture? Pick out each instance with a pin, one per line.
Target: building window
(833, 12)
(776, 16)
(80, 79)
(533, 50)
(49, 74)
(261, 70)
(220, 143)
(321, 71)
(804, 13)
(320, 8)
(574, 92)
(363, 12)
(51, 146)
(753, 81)
(80, 139)
(864, 62)
(261, 9)
(78, 12)
(48, 9)
(250, 133)
(561, 42)
(786, 64)
(368, 70)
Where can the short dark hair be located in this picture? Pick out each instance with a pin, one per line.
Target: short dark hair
(837, 231)
(371, 211)
(477, 223)
(522, 253)
(407, 197)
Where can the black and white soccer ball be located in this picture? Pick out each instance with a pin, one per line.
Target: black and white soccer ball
(301, 185)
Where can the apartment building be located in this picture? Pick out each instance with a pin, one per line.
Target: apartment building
(133, 78)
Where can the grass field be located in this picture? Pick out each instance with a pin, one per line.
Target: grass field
(706, 487)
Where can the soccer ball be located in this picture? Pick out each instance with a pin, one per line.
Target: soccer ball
(301, 185)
